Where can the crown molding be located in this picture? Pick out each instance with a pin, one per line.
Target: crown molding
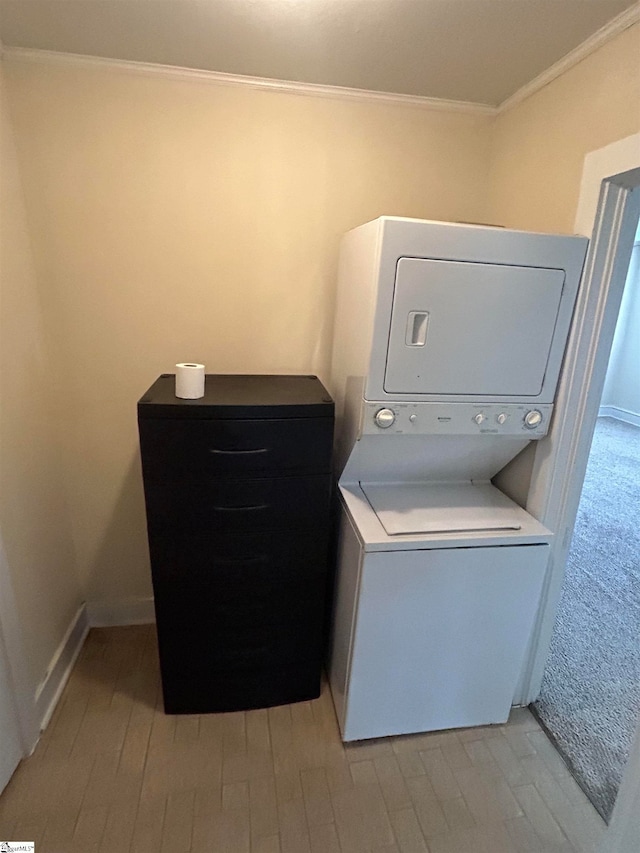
(217, 78)
(609, 31)
(615, 26)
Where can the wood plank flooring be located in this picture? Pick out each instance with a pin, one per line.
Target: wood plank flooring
(113, 772)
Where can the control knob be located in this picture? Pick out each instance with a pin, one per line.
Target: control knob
(384, 418)
(502, 418)
(533, 419)
(479, 418)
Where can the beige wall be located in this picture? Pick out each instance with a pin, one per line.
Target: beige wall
(539, 146)
(34, 520)
(180, 220)
(175, 219)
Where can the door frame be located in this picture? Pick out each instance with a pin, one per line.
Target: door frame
(608, 211)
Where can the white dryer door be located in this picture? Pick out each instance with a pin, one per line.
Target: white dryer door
(471, 328)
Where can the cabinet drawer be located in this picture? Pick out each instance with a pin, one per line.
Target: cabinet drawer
(231, 566)
(205, 692)
(242, 614)
(238, 505)
(220, 646)
(197, 450)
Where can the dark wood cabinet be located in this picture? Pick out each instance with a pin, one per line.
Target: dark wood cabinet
(237, 490)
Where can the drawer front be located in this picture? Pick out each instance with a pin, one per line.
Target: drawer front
(201, 691)
(249, 621)
(248, 589)
(196, 450)
(238, 505)
(230, 568)
(219, 646)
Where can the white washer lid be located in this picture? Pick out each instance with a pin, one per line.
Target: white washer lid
(441, 507)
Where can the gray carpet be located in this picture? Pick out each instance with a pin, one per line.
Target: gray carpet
(591, 691)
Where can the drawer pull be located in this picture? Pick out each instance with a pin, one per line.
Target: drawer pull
(247, 508)
(236, 452)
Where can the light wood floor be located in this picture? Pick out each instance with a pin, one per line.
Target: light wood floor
(113, 773)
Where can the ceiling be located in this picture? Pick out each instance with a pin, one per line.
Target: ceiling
(465, 50)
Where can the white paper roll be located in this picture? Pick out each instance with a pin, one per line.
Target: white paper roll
(190, 381)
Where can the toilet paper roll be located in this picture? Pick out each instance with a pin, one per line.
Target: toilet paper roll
(189, 381)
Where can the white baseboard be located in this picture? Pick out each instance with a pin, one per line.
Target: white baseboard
(96, 614)
(50, 688)
(122, 611)
(632, 418)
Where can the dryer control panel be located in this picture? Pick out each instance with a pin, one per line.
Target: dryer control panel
(514, 419)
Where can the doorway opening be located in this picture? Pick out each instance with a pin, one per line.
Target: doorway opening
(590, 692)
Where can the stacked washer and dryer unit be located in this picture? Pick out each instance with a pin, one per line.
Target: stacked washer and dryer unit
(448, 345)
